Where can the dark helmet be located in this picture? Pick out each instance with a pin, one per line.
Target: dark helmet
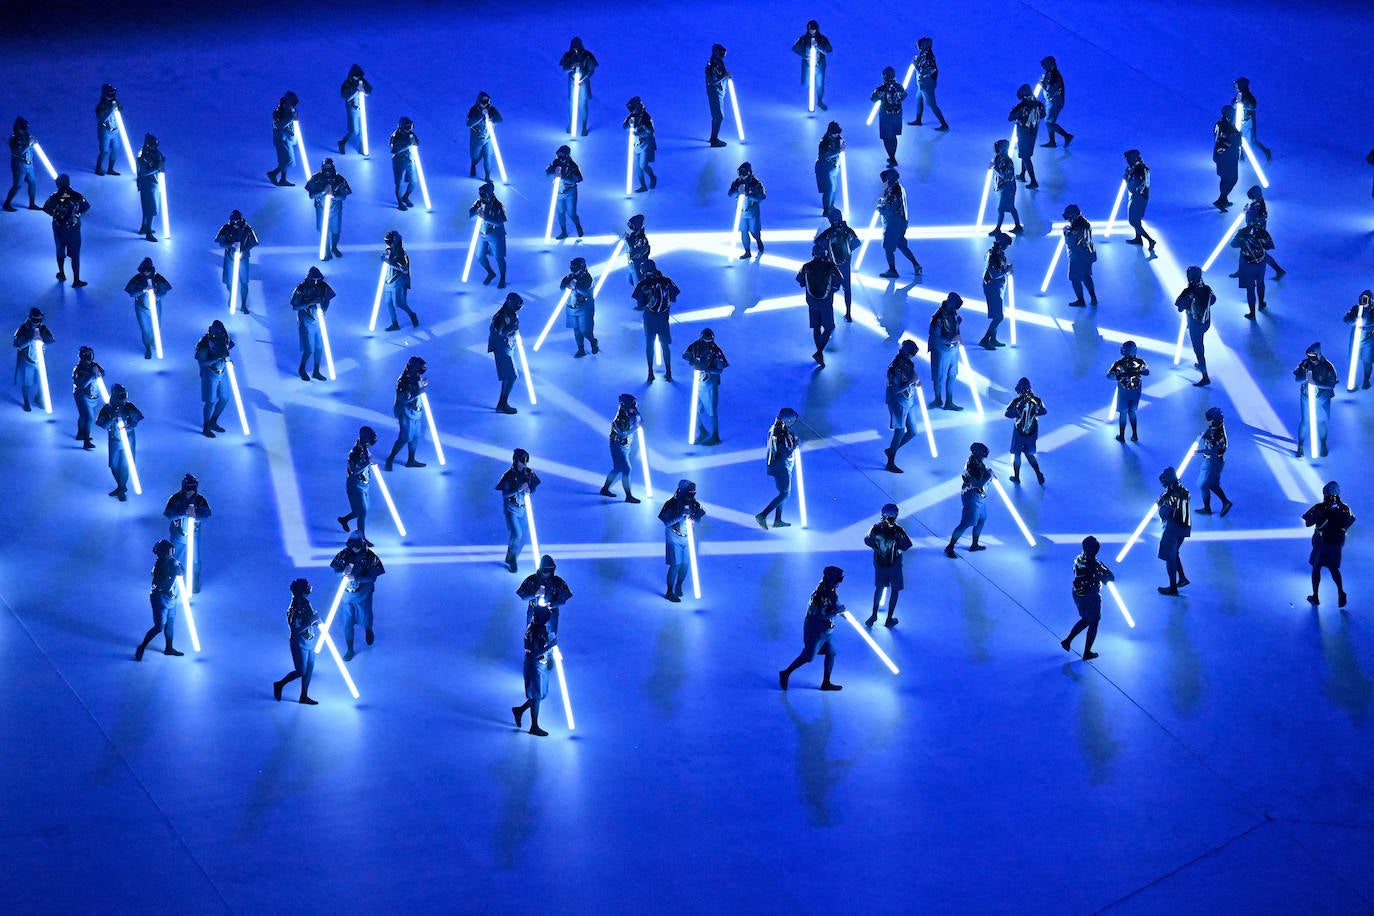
(146, 266)
(1048, 62)
(812, 25)
(889, 175)
(107, 91)
(405, 123)
(21, 126)
(483, 98)
(1213, 415)
(1194, 274)
(1367, 297)
(577, 264)
(925, 44)
(35, 314)
(1331, 488)
(1001, 240)
(834, 128)
(547, 565)
(415, 366)
(717, 51)
(576, 44)
(300, 588)
(832, 575)
(189, 482)
(291, 98)
(1091, 546)
(636, 221)
(978, 450)
(1128, 348)
(356, 539)
(708, 335)
(367, 435)
(217, 329)
(889, 510)
(635, 103)
(355, 70)
(910, 347)
(314, 274)
(64, 181)
(1024, 91)
(1168, 476)
(1071, 212)
(1315, 349)
(650, 266)
(235, 216)
(392, 238)
(954, 301)
(819, 249)
(162, 548)
(513, 301)
(119, 393)
(1132, 155)
(563, 151)
(486, 190)
(627, 399)
(788, 415)
(835, 216)
(686, 486)
(1001, 146)
(520, 455)
(889, 73)
(327, 166)
(1255, 192)
(85, 355)
(1023, 385)
(1228, 112)
(745, 168)
(149, 140)
(1242, 83)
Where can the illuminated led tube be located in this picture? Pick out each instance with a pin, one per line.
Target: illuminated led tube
(548, 325)
(1135, 535)
(386, 497)
(734, 106)
(496, 149)
(377, 299)
(166, 217)
(157, 323)
(844, 184)
(983, 201)
(1187, 457)
(1254, 163)
(925, 419)
(553, 205)
(1111, 409)
(1182, 330)
(811, 79)
(362, 118)
(1312, 447)
(238, 397)
(420, 174)
(125, 445)
(1121, 605)
(1230, 234)
(858, 628)
(534, 530)
(324, 225)
(472, 247)
(692, 557)
(190, 525)
(563, 687)
(1011, 306)
(124, 139)
(972, 382)
(658, 354)
(1054, 262)
(906, 81)
(234, 283)
(1116, 207)
(692, 414)
(734, 230)
(644, 462)
(1355, 346)
(630, 163)
(608, 266)
(324, 339)
(433, 430)
(801, 487)
(1016, 516)
(525, 368)
(576, 97)
(183, 588)
(868, 237)
(300, 147)
(333, 610)
(43, 158)
(328, 641)
(43, 374)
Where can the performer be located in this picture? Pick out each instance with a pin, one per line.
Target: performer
(1078, 244)
(1245, 103)
(1089, 575)
(1127, 371)
(21, 165)
(284, 139)
(840, 243)
(624, 428)
(186, 509)
(109, 419)
(678, 512)
(813, 42)
(654, 296)
(1175, 517)
(927, 75)
(518, 481)
(66, 207)
(1196, 302)
(1226, 150)
(901, 401)
(637, 248)
(1364, 310)
(360, 568)
(1255, 243)
(354, 91)
(212, 353)
(1052, 81)
(106, 130)
(27, 339)
(310, 301)
(539, 645)
(481, 116)
(973, 497)
(327, 184)
(1315, 369)
(140, 284)
(396, 286)
(359, 480)
(581, 315)
(1137, 178)
(820, 279)
(548, 591)
(580, 64)
(150, 164)
(889, 542)
(409, 412)
(569, 176)
(492, 239)
(890, 95)
(505, 324)
(645, 148)
(943, 342)
(717, 83)
(821, 612)
(828, 153)
(1005, 174)
(1213, 455)
(779, 460)
(403, 145)
(1257, 214)
(86, 392)
(708, 360)
(164, 594)
(995, 272)
(1026, 115)
(750, 222)
(892, 208)
(1329, 520)
(1025, 410)
(237, 236)
(305, 627)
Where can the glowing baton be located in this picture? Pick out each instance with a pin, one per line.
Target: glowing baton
(844, 184)
(190, 525)
(234, 283)
(1230, 233)
(563, 687)
(186, 611)
(658, 353)
(1111, 409)
(1054, 262)
(734, 106)
(801, 487)
(1116, 206)
(124, 442)
(983, 201)
(1182, 329)
(525, 367)
(162, 194)
(333, 609)
(496, 150)
(433, 430)
(548, 325)
(420, 174)
(858, 628)
(324, 225)
(811, 80)
(124, 139)
(1254, 163)
(390, 503)
(1311, 417)
(630, 163)
(324, 339)
(472, 248)
(925, 419)
(534, 531)
(576, 97)
(1121, 605)
(734, 230)
(1016, 516)
(553, 205)
(606, 268)
(43, 374)
(300, 144)
(1355, 346)
(377, 300)
(43, 158)
(906, 81)
(868, 237)
(362, 118)
(327, 640)
(972, 382)
(692, 557)
(157, 323)
(1135, 535)
(692, 415)
(1011, 306)
(644, 462)
(238, 398)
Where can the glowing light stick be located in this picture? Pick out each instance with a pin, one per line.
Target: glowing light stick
(801, 487)
(328, 641)
(433, 430)
(362, 118)
(658, 353)
(1135, 535)
(157, 323)
(166, 217)
(1111, 410)
(300, 145)
(1311, 417)
(324, 225)
(630, 163)
(906, 81)
(734, 106)
(186, 612)
(563, 687)
(377, 299)
(1121, 605)
(1011, 306)
(1182, 329)
(1116, 206)
(43, 374)
(844, 184)
(333, 609)
(525, 367)
(324, 339)
(190, 525)
(576, 97)
(124, 442)
(1016, 516)
(606, 268)
(858, 628)
(124, 139)
(43, 158)
(234, 283)
(692, 557)
(1355, 346)
(390, 503)
(734, 230)
(548, 325)
(925, 419)
(811, 79)
(496, 149)
(534, 531)
(692, 415)
(868, 237)
(644, 461)
(1230, 234)
(472, 248)
(420, 174)
(1254, 163)
(983, 201)
(553, 205)
(1054, 262)
(238, 398)
(972, 382)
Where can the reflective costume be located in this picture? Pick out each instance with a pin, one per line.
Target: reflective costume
(409, 412)
(304, 624)
(995, 272)
(1246, 104)
(150, 164)
(396, 285)
(812, 41)
(973, 498)
(828, 153)
(1226, 150)
(1212, 450)
(579, 64)
(1052, 83)
(624, 428)
(927, 75)
(1254, 243)
(581, 313)
(329, 184)
(1316, 370)
(514, 484)
(645, 145)
(1176, 525)
(1027, 114)
(565, 203)
(66, 207)
(358, 483)
(1361, 320)
(21, 164)
(749, 188)
(185, 510)
(1025, 411)
(818, 629)
(140, 284)
(889, 96)
(120, 411)
(491, 239)
(1081, 253)
(26, 339)
(1089, 575)
(1196, 303)
(1004, 177)
(546, 593)
(284, 139)
(654, 296)
(708, 360)
(310, 301)
(892, 209)
(901, 393)
(360, 567)
(1128, 371)
(164, 596)
(820, 280)
(505, 324)
(717, 83)
(1257, 214)
(106, 130)
(212, 353)
(889, 542)
(779, 460)
(840, 243)
(1137, 178)
(678, 512)
(539, 643)
(481, 116)
(637, 249)
(86, 393)
(1329, 520)
(237, 236)
(402, 144)
(354, 89)
(943, 340)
